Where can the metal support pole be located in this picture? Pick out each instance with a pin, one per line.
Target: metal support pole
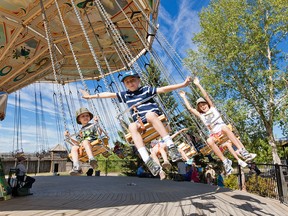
(240, 177)
(279, 183)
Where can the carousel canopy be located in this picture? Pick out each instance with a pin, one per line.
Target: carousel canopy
(24, 53)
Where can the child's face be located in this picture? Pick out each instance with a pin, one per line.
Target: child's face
(132, 83)
(84, 118)
(203, 107)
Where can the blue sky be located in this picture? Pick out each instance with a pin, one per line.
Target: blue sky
(178, 21)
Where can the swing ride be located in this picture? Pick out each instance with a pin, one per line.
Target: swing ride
(64, 41)
(33, 40)
(24, 54)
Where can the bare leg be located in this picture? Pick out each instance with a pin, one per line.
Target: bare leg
(231, 150)
(154, 157)
(163, 152)
(74, 154)
(184, 156)
(232, 137)
(88, 149)
(156, 123)
(215, 148)
(136, 136)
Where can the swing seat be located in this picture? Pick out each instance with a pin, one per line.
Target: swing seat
(221, 138)
(119, 153)
(106, 154)
(150, 133)
(98, 147)
(187, 149)
(206, 150)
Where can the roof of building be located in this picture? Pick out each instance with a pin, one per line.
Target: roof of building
(58, 147)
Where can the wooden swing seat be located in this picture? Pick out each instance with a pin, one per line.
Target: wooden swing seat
(206, 150)
(219, 140)
(98, 147)
(187, 149)
(222, 138)
(150, 133)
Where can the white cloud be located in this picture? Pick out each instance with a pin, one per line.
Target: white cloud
(180, 28)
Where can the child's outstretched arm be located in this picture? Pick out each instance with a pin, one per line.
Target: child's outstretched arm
(67, 135)
(203, 91)
(178, 132)
(187, 104)
(86, 95)
(169, 88)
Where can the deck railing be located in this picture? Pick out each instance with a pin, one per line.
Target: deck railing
(268, 180)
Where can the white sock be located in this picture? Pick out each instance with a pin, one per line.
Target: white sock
(144, 154)
(92, 158)
(169, 142)
(76, 164)
(225, 161)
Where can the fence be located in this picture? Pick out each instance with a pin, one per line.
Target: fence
(268, 180)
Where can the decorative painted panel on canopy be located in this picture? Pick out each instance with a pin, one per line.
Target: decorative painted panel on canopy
(24, 54)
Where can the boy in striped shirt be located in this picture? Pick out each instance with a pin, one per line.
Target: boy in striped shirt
(148, 112)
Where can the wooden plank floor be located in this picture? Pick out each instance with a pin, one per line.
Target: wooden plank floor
(112, 195)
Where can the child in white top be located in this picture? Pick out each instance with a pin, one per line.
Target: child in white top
(206, 111)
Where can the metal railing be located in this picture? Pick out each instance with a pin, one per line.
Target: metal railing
(268, 180)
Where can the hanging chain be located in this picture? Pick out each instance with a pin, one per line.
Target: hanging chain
(54, 62)
(160, 34)
(114, 102)
(93, 55)
(119, 39)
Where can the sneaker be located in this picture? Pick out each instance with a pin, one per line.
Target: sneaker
(153, 166)
(75, 171)
(228, 166)
(244, 153)
(166, 165)
(93, 163)
(190, 161)
(174, 153)
(162, 175)
(250, 157)
(247, 156)
(242, 163)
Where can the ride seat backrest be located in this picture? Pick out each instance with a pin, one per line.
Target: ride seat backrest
(98, 147)
(150, 133)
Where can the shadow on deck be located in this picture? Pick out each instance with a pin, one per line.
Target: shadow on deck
(90, 195)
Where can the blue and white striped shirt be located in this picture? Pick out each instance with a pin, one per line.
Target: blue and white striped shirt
(132, 98)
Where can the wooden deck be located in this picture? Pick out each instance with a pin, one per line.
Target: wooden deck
(92, 195)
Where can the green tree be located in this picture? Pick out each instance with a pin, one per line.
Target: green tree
(239, 59)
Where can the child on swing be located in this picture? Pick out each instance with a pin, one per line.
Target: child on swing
(159, 149)
(148, 111)
(206, 111)
(84, 138)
